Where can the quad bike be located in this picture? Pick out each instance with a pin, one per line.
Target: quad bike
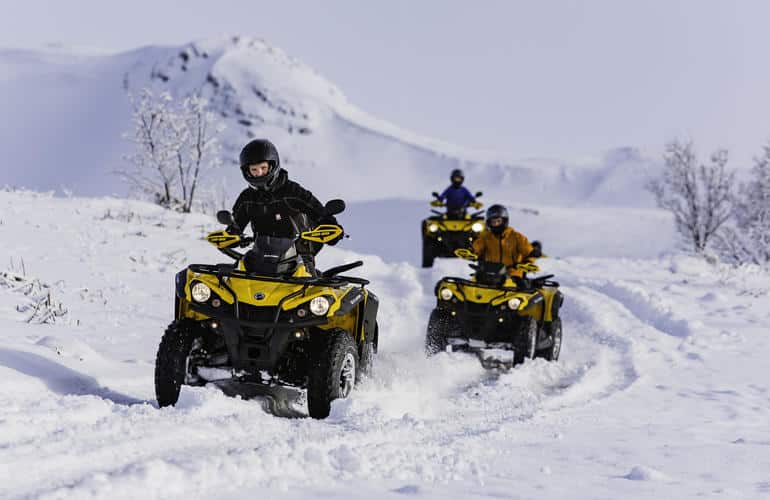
(502, 319)
(270, 323)
(443, 233)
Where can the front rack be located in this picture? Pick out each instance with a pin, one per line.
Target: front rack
(227, 270)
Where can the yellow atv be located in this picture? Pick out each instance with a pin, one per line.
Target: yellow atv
(502, 319)
(269, 324)
(445, 232)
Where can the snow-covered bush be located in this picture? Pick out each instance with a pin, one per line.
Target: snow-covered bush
(38, 304)
(700, 196)
(176, 145)
(747, 239)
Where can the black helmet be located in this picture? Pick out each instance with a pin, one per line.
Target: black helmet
(494, 212)
(457, 173)
(257, 151)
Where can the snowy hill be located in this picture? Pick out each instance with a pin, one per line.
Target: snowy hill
(64, 113)
(660, 391)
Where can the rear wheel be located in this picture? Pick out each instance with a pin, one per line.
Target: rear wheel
(172, 368)
(525, 340)
(334, 364)
(551, 353)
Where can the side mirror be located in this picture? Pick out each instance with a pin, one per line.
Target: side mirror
(478, 193)
(334, 207)
(537, 249)
(225, 217)
(435, 194)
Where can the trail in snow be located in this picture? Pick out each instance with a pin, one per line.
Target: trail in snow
(641, 384)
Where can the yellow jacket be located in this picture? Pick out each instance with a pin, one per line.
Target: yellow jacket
(510, 248)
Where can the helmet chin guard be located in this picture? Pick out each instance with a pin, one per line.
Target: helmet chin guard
(256, 152)
(497, 212)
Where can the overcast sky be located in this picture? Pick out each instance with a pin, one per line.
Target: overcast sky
(537, 78)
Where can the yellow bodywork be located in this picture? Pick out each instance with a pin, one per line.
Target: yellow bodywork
(223, 239)
(273, 292)
(454, 225)
(500, 297)
(323, 233)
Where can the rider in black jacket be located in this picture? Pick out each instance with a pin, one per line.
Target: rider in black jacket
(273, 204)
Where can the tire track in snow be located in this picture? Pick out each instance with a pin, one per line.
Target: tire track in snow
(418, 420)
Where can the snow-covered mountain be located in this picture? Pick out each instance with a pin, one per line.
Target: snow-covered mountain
(659, 392)
(64, 114)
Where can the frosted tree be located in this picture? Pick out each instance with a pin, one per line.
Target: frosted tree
(153, 173)
(698, 195)
(747, 240)
(176, 145)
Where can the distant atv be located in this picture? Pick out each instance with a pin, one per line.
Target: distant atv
(501, 319)
(443, 233)
(269, 322)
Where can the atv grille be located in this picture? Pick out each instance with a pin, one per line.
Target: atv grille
(253, 313)
(476, 317)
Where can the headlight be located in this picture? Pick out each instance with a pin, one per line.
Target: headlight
(200, 292)
(445, 293)
(319, 306)
(433, 228)
(514, 303)
(477, 227)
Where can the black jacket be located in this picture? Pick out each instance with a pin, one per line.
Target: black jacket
(284, 211)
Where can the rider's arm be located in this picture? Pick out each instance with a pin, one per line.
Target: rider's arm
(442, 196)
(524, 248)
(478, 247)
(240, 213)
(469, 198)
(314, 209)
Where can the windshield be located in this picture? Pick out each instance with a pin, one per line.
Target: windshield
(271, 255)
(491, 273)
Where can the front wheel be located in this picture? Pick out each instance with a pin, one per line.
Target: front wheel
(427, 254)
(551, 353)
(172, 361)
(366, 359)
(526, 340)
(435, 337)
(334, 364)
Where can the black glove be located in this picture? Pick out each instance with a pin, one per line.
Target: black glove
(328, 219)
(338, 238)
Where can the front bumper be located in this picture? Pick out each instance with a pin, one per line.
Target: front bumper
(259, 337)
(491, 354)
(445, 243)
(480, 322)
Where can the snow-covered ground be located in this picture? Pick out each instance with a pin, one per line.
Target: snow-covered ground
(661, 390)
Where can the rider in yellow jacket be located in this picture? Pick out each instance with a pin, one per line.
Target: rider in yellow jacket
(501, 243)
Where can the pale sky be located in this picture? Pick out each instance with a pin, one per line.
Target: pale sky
(561, 79)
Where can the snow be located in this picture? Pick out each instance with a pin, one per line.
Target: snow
(658, 393)
(261, 91)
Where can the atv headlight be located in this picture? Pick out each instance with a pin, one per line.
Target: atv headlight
(446, 293)
(200, 292)
(514, 303)
(477, 227)
(433, 227)
(319, 306)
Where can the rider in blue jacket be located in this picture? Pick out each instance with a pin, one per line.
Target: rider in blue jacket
(457, 197)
